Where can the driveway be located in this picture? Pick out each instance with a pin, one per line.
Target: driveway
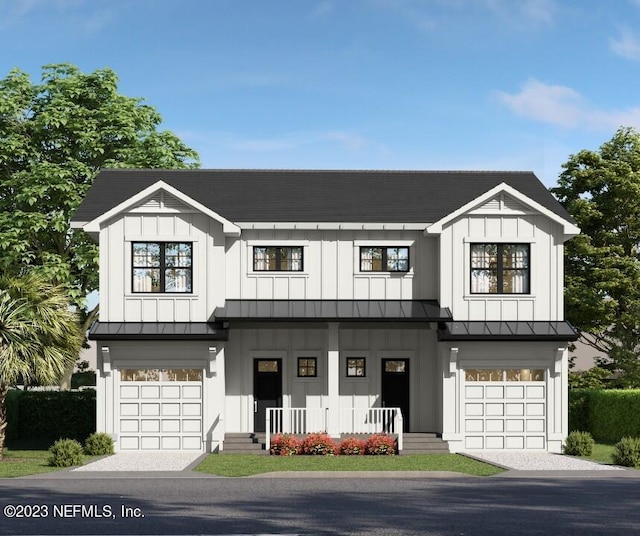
(538, 461)
(143, 461)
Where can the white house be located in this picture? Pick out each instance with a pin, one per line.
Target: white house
(347, 301)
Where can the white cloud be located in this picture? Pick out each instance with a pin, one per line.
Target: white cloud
(524, 12)
(322, 9)
(626, 45)
(564, 107)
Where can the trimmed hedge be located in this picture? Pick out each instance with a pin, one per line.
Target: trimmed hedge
(51, 415)
(608, 414)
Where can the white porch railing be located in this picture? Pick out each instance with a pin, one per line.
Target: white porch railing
(351, 421)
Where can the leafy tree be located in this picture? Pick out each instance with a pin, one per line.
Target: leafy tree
(54, 138)
(40, 337)
(601, 190)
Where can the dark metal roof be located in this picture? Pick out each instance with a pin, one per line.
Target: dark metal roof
(331, 310)
(507, 331)
(317, 196)
(168, 331)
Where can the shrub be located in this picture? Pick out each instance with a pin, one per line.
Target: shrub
(319, 445)
(49, 415)
(98, 444)
(65, 453)
(380, 445)
(579, 444)
(285, 445)
(627, 452)
(352, 446)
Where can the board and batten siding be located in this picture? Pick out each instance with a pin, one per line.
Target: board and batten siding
(544, 302)
(331, 267)
(123, 305)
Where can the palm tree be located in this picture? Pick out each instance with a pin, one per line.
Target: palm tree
(39, 335)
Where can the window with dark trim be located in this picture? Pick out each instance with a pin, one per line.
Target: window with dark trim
(500, 268)
(307, 367)
(277, 258)
(161, 267)
(356, 367)
(384, 259)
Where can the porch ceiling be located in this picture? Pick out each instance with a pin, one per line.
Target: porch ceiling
(177, 331)
(331, 311)
(507, 331)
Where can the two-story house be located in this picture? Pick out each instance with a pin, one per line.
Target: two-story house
(340, 301)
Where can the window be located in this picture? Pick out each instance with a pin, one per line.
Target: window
(510, 375)
(162, 266)
(277, 259)
(161, 375)
(500, 268)
(382, 259)
(356, 367)
(307, 367)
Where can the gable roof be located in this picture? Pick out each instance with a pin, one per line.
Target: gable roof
(317, 195)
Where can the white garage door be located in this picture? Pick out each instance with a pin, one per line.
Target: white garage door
(505, 409)
(160, 409)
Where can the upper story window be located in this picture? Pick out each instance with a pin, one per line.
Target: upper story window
(277, 259)
(384, 259)
(162, 266)
(500, 268)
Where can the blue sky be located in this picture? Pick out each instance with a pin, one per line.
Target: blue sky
(356, 84)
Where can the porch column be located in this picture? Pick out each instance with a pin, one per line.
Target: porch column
(333, 379)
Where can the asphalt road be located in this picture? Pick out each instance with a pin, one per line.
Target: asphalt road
(461, 506)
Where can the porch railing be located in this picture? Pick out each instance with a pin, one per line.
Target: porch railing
(350, 421)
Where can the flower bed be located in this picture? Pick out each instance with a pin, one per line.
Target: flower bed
(320, 444)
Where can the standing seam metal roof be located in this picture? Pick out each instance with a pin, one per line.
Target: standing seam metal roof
(317, 195)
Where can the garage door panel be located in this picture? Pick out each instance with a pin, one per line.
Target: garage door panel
(535, 391)
(170, 391)
(515, 410)
(129, 425)
(515, 425)
(494, 442)
(515, 392)
(474, 442)
(171, 410)
(191, 391)
(192, 409)
(191, 443)
(171, 442)
(494, 391)
(130, 410)
(150, 425)
(129, 391)
(150, 442)
(474, 391)
(495, 425)
(535, 442)
(149, 410)
(474, 425)
(192, 425)
(514, 442)
(535, 410)
(150, 392)
(535, 425)
(129, 443)
(494, 409)
(171, 425)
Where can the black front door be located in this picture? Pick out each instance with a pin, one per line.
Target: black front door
(267, 390)
(395, 387)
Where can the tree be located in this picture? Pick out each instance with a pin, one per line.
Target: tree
(601, 190)
(40, 337)
(54, 138)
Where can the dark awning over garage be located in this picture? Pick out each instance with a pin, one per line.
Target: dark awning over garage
(506, 331)
(168, 331)
(331, 311)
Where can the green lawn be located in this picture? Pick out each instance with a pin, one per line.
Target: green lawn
(25, 462)
(601, 453)
(250, 464)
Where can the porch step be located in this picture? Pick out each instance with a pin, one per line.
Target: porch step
(239, 443)
(424, 443)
